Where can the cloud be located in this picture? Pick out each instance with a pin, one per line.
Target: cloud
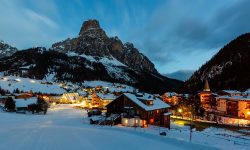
(186, 27)
(174, 34)
(23, 27)
(41, 18)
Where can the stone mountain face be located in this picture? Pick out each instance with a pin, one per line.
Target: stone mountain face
(92, 40)
(6, 50)
(228, 69)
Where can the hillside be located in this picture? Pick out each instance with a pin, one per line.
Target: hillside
(228, 69)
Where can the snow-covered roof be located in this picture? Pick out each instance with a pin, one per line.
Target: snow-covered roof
(157, 103)
(235, 98)
(81, 92)
(70, 96)
(169, 94)
(167, 113)
(107, 96)
(247, 92)
(25, 102)
(231, 91)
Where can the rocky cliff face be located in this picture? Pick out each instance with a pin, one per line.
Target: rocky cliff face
(228, 69)
(92, 40)
(6, 50)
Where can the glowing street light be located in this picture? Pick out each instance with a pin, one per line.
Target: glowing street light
(180, 110)
(32, 81)
(18, 79)
(5, 78)
(248, 113)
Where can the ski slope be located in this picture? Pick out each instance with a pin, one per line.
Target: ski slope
(65, 128)
(11, 83)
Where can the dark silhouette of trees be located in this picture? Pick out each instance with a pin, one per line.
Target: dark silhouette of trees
(10, 104)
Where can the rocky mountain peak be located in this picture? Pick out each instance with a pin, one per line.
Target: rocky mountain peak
(89, 25)
(93, 41)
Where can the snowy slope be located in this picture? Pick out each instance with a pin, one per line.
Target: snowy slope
(47, 85)
(65, 128)
(114, 67)
(11, 83)
(107, 61)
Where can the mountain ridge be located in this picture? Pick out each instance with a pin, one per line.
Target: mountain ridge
(182, 75)
(228, 69)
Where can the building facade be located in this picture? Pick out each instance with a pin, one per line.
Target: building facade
(147, 107)
(234, 106)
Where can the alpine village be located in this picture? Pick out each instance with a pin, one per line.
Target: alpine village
(115, 87)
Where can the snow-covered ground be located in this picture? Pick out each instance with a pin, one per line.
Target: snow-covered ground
(216, 137)
(65, 128)
(11, 83)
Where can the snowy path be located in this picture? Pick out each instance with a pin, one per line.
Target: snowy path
(64, 129)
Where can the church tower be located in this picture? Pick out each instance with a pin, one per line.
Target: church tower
(206, 86)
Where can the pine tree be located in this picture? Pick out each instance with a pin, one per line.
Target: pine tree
(10, 104)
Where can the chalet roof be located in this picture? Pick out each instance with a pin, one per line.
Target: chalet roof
(247, 91)
(157, 103)
(25, 102)
(169, 94)
(71, 96)
(81, 92)
(167, 113)
(235, 98)
(231, 91)
(106, 96)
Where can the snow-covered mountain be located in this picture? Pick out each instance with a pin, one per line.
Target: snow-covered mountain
(6, 50)
(228, 69)
(90, 56)
(182, 75)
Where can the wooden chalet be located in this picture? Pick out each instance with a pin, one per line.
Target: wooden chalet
(150, 109)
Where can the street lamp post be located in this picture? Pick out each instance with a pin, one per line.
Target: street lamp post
(180, 111)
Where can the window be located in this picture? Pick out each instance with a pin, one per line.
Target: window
(218, 103)
(248, 105)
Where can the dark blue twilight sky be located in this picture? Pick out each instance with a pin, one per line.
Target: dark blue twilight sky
(174, 34)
